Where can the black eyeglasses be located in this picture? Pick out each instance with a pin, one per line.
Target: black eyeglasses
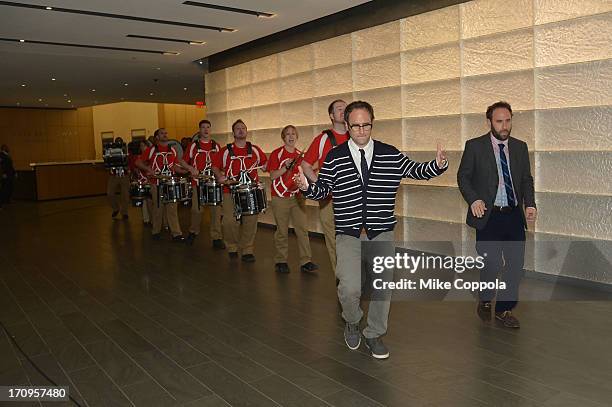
(364, 127)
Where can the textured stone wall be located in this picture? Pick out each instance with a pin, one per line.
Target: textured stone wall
(430, 77)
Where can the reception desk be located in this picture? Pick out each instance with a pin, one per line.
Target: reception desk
(58, 180)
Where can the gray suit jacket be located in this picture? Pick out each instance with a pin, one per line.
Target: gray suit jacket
(478, 179)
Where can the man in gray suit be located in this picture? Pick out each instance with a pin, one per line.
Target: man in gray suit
(495, 180)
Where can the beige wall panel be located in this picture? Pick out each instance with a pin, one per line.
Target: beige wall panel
(582, 40)
(239, 98)
(387, 102)
(431, 64)
(498, 53)
(423, 133)
(523, 126)
(216, 81)
(219, 122)
(180, 115)
(296, 60)
(169, 115)
(297, 113)
(582, 172)
(482, 17)
(388, 131)
(333, 80)
(448, 179)
(267, 139)
(547, 11)
(432, 98)
(266, 117)
(222, 138)
(305, 136)
(377, 73)
(427, 29)
(265, 68)
(586, 84)
(216, 102)
(430, 202)
(297, 87)
(583, 128)
(575, 215)
(425, 230)
(321, 104)
(333, 51)
(239, 75)
(481, 91)
(265, 93)
(376, 41)
(243, 114)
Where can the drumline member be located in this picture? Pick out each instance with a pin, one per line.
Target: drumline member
(287, 203)
(161, 159)
(138, 176)
(238, 157)
(313, 160)
(120, 180)
(198, 161)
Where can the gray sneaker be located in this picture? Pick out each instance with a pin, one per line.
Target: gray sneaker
(377, 348)
(352, 336)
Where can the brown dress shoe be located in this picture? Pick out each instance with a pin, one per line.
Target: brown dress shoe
(484, 310)
(507, 319)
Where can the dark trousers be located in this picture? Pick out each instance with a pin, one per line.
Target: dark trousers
(6, 190)
(502, 244)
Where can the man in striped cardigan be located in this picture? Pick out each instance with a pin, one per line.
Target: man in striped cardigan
(363, 176)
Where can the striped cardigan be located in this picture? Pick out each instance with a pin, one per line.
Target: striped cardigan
(372, 205)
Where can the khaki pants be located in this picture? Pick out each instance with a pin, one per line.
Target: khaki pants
(170, 210)
(196, 218)
(326, 214)
(238, 234)
(293, 208)
(123, 185)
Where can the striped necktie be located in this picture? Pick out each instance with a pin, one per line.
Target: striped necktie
(506, 172)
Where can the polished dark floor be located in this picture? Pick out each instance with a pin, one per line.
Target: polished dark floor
(124, 320)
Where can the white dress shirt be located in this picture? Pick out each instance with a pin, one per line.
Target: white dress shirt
(369, 153)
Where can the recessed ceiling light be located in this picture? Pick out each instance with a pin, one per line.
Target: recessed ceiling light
(125, 84)
(171, 53)
(21, 40)
(65, 94)
(52, 79)
(69, 101)
(184, 88)
(197, 43)
(201, 62)
(40, 100)
(93, 90)
(151, 94)
(48, 8)
(23, 85)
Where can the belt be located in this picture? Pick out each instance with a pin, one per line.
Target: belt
(503, 209)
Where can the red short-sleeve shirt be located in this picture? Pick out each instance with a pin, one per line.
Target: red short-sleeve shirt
(161, 158)
(282, 186)
(321, 145)
(231, 166)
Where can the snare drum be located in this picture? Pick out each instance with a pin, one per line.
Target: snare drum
(139, 191)
(249, 199)
(174, 189)
(210, 193)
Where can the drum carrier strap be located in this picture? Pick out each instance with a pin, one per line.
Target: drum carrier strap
(249, 149)
(332, 137)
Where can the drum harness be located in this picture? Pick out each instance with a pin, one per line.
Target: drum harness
(207, 167)
(244, 177)
(165, 170)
